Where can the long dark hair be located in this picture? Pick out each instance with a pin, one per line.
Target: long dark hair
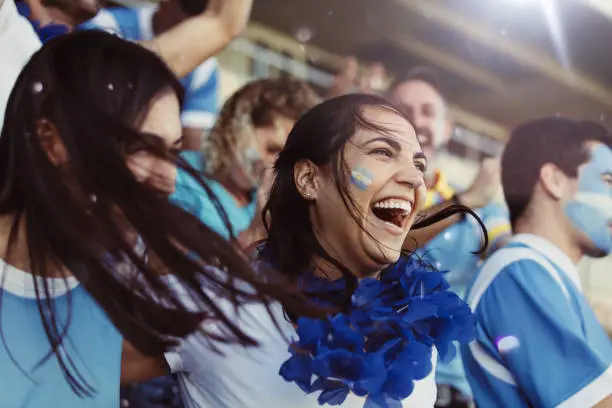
(95, 89)
(320, 136)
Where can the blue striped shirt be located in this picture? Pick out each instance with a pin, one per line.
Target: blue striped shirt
(201, 85)
(538, 342)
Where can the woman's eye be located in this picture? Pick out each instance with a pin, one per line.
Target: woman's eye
(607, 178)
(422, 167)
(382, 151)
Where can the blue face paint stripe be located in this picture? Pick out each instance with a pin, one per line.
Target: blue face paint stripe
(361, 177)
(588, 212)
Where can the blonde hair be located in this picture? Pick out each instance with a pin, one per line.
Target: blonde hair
(257, 104)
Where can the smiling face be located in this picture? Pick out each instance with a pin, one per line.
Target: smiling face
(426, 108)
(384, 178)
(590, 208)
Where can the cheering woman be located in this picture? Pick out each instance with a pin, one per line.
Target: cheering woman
(87, 161)
(348, 188)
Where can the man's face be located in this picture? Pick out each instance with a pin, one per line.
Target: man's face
(590, 208)
(426, 108)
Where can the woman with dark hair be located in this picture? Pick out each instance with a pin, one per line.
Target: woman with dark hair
(87, 162)
(347, 190)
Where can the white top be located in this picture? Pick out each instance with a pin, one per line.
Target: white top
(18, 42)
(249, 378)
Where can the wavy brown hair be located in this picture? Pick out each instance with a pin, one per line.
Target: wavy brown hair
(257, 104)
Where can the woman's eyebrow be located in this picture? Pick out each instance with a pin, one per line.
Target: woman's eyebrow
(393, 143)
(420, 155)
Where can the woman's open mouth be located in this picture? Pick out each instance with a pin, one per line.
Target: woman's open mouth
(393, 211)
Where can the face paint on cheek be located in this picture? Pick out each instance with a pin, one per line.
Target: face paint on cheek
(362, 178)
(591, 210)
(251, 163)
(591, 222)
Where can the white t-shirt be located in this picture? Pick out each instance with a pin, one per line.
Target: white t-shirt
(249, 378)
(18, 42)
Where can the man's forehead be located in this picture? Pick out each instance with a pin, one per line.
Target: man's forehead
(417, 91)
(602, 153)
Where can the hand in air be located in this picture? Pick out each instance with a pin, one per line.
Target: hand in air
(234, 14)
(371, 80)
(485, 186)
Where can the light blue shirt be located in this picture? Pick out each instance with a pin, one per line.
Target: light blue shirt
(91, 341)
(201, 85)
(452, 251)
(538, 342)
(192, 197)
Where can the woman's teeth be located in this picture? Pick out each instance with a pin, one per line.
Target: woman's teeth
(403, 205)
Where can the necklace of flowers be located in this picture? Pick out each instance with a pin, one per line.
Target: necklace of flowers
(383, 343)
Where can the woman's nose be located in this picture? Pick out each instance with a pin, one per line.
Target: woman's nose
(409, 174)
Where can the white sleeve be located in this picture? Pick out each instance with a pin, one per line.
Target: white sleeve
(174, 360)
(18, 42)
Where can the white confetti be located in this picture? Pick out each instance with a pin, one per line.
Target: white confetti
(303, 34)
(507, 344)
(37, 87)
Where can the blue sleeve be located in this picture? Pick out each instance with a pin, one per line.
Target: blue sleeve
(200, 107)
(539, 334)
(497, 221)
(105, 20)
(192, 197)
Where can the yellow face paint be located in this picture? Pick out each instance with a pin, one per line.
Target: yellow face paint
(361, 177)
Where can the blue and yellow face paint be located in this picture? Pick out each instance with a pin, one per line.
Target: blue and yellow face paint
(362, 178)
(591, 210)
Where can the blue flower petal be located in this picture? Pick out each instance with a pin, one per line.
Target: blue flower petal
(340, 364)
(419, 309)
(381, 401)
(298, 370)
(374, 375)
(343, 336)
(334, 396)
(310, 331)
(378, 348)
(446, 350)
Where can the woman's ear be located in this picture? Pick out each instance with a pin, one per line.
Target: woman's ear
(307, 179)
(51, 142)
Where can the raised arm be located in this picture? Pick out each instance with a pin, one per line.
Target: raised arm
(196, 39)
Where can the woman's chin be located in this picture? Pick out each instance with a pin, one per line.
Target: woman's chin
(384, 255)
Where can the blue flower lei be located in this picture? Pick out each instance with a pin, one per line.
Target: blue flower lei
(383, 344)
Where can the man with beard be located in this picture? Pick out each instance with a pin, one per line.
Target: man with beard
(538, 342)
(449, 244)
